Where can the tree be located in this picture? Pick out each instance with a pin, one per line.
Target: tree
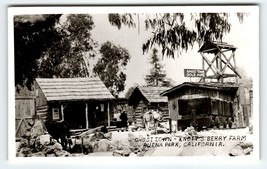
(172, 34)
(110, 67)
(33, 34)
(157, 76)
(70, 56)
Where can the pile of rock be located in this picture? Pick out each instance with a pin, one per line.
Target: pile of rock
(89, 142)
(241, 149)
(37, 143)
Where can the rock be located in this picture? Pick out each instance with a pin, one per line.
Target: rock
(117, 153)
(247, 151)
(236, 151)
(22, 143)
(136, 141)
(90, 147)
(48, 149)
(57, 146)
(126, 151)
(38, 128)
(245, 145)
(140, 129)
(38, 146)
(62, 153)
(45, 139)
(133, 155)
(190, 131)
(103, 145)
(108, 136)
(32, 142)
(116, 145)
(50, 155)
(38, 154)
(20, 153)
(26, 150)
(27, 134)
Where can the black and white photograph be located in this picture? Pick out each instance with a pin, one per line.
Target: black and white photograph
(126, 82)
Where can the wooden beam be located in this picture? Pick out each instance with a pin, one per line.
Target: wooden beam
(213, 68)
(207, 51)
(62, 112)
(229, 64)
(86, 116)
(203, 67)
(108, 115)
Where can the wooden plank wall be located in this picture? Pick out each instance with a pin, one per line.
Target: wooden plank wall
(24, 113)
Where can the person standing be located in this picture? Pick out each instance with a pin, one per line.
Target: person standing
(117, 117)
(124, 120)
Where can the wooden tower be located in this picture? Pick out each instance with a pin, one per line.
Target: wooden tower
(222, 58)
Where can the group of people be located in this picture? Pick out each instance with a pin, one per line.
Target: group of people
(121, 120)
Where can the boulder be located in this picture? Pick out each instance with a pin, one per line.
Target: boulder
(236, 151)
(136, 141)
(61, 153)
(45, 139)
(103, 145)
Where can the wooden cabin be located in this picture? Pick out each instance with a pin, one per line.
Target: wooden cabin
(81, 102)
(201, 104)
(143, 99)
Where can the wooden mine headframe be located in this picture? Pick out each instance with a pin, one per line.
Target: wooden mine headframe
(219, 62)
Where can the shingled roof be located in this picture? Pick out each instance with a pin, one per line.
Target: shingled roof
(66, 89)
(152, 94)
(215, 86)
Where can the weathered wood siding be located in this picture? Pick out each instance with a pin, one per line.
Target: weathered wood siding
(192, 93)
(140, 109)
(24, 113)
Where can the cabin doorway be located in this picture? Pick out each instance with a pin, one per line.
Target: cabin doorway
(74, 115)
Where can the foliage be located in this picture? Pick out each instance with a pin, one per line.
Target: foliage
(46, 46)
(33, 34)
(175, 33)
(157, 76)
(110, 67)
(69, 57)
(119, 19)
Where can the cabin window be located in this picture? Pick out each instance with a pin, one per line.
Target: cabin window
(55, 114)
(102, 107)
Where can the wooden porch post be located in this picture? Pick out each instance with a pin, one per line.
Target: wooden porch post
(62, 112)
(108, 115)
(86, 116)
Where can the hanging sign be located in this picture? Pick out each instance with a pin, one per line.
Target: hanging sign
(193, 73)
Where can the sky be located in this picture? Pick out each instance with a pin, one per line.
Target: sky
(242, 35)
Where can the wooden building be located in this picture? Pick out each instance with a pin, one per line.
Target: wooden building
(143, 99)
(202, 104)
(82, 102)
